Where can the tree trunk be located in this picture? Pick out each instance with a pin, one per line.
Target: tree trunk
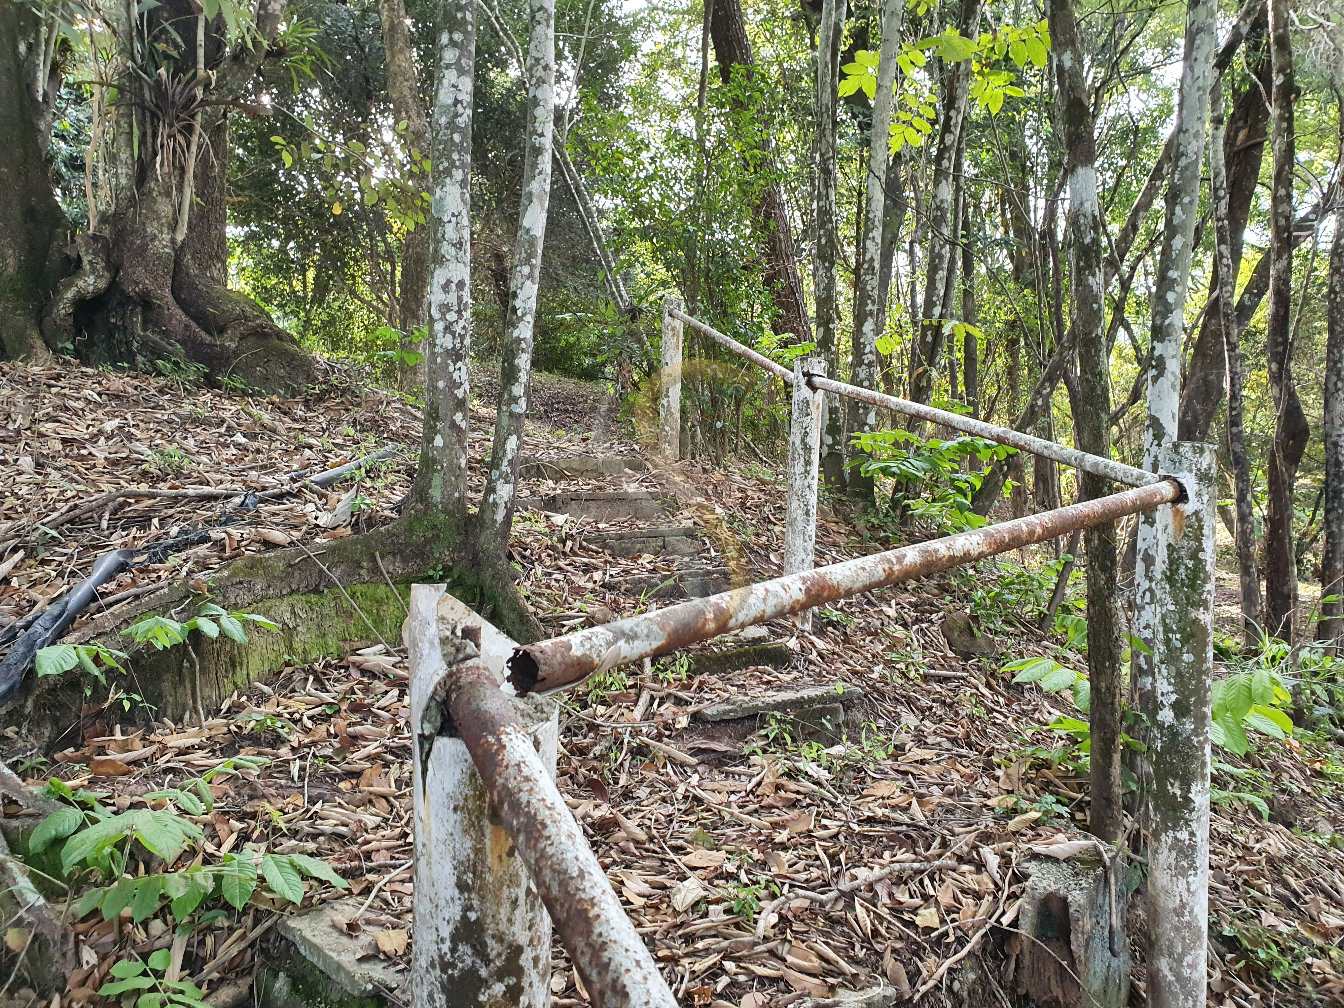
(868, 284)
(732, 48)
(830, 37)
(497, 504)
(1332, 560)
(31, 223)
(1242, 153)
(441, 479)
(1091, 416)
(970, 342)
(1290, 432)
(150, 282)
(403, 88)
(928, 347)
(1224, 276)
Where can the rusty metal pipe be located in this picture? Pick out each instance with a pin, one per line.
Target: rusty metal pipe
(615, 965)
(563, 661)
(1117, 472)
(778, 370)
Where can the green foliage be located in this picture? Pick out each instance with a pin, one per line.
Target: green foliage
(930, 475)
(162, 632)
(114, 846)
(148, 979)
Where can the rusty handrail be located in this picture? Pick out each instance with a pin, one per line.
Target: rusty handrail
(1117, 472)
(563, 661)
(613, 960)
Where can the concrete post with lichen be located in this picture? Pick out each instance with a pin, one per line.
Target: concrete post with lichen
(1179, 594)
(482, 936)
(669, 394)
(805, 429)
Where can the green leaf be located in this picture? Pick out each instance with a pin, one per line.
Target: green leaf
(318, 869)
(196, 886)
(282, 877)
(233, 630)
(1230, 735)
(207, 626)
(57, 826)
(1061, 678)
(122, 986)
(117, 897)
(159, 960)
(164, 833)
(237, 878)
(147, 893)
(91, 841)
(55, 660)
(124, 968)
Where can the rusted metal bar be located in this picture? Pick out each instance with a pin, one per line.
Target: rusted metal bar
(562, 661)
(778, 370)
(1117, 472)
(616, 967)
(1109, 469)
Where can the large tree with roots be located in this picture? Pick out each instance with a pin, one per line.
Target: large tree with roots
(147, 278)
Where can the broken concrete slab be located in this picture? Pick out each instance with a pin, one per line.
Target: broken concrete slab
(314, 960)
(688, 582)
(719, 661)
(814, 712)
(672, 540)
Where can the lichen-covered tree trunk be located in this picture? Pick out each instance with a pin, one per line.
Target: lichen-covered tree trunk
(403, 88)
(441, 479)
(868, 284)
(31, 222)
(1091, 414)
(928, 347)
(1332, 560)
(497, 504)
(1168, 323)
(1242, 153)
(1225, 277)
(830, 36)
(1290, 432)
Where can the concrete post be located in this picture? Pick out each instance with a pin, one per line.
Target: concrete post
(1179, 594)
(482, 936)
(805, 428)
(669, 386)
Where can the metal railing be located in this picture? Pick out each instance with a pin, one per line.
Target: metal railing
(470, 697)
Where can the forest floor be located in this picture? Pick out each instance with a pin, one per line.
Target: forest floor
(748, 867)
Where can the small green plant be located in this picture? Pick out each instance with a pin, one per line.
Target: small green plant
(674, 671)
(744, 899)
(94, 659)
(931, 478)
(161, 632)
(87, 837)
(148, 977)
(604, 684)
(183, 373)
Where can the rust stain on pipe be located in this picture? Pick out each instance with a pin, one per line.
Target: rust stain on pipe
(563, 661)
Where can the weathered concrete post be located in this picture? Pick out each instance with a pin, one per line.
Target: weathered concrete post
(669, 386)
(805, 427)
(1180, 595)
(482, 936)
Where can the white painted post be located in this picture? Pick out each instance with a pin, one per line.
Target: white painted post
(482, 937)
(669, 385)
(805, 427)
(1180, 594)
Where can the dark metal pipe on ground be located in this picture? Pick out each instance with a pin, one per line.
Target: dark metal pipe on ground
(563, 661)
(615, 965)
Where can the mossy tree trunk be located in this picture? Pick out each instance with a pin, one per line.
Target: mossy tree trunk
(147, 279)
(32, 225)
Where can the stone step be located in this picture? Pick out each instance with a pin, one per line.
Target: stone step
(315, 960)
(601, 505)
(689, 582)
(580, 465)
(723, 660)
(669, 540)
(814, 712)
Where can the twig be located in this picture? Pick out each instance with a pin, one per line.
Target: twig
(378, 887)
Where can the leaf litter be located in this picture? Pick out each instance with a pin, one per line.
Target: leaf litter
(782, 872)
